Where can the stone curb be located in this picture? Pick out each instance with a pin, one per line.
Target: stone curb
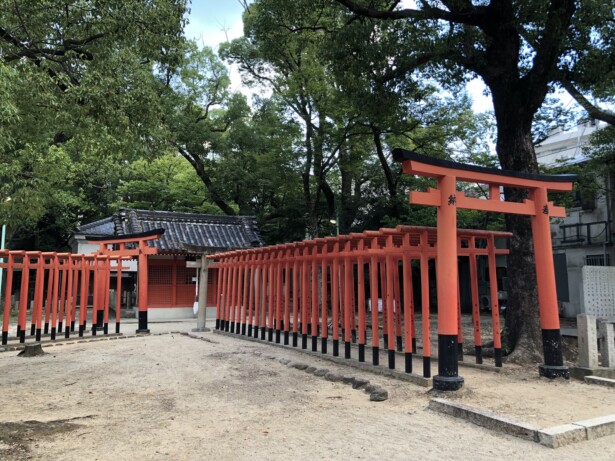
(600, 381)
(485, 418)
(412, 378)
(552, 437)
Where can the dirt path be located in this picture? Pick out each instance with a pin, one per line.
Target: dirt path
(173, 397)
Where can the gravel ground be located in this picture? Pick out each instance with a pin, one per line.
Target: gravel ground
(171, 397)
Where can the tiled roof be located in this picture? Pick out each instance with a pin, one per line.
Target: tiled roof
(103, 226)
(184, 230)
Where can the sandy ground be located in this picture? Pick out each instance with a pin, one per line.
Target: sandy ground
(171, 397)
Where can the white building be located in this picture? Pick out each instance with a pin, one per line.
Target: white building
(585, 236)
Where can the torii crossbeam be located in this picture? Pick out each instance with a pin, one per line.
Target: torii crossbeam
(448, 199)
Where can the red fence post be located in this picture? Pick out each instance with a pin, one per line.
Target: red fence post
(335, 298)
(8, 291)
(324, 327)
(296, 296)
(408, 305)
(361, 300)
(23, 298)
(373, 289)
(348, 286)
(478, 345)
(315, 315)
(425, 311)
(495, 305)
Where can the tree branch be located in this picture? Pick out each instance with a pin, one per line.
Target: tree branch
(591, 109)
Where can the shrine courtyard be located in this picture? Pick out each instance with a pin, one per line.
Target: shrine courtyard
(184, 396)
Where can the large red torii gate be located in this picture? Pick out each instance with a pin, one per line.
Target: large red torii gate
(447, 199)
(118, 246)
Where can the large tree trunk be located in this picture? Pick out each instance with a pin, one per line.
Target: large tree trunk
(516, 152)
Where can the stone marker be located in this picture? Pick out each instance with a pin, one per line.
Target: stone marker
(32, 350)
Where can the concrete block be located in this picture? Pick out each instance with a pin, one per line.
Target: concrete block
(588, 337)
(598, 427)
(485, 418)
(600, 381)
(558, 436)
(607, 343)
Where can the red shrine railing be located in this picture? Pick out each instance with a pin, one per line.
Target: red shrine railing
(64, 283)
(323, 287)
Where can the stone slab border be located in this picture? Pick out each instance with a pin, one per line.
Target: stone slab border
(363, 366)
(552, 437)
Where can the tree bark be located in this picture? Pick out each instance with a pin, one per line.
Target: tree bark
(516, 152)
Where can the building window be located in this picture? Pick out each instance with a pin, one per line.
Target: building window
(597, 260)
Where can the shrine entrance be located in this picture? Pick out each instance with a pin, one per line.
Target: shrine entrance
(448, 199)
(132, 246)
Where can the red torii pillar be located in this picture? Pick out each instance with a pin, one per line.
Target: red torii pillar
(447, 199)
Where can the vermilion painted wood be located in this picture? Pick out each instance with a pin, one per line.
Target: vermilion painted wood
(493, 287)
(361, 293)
(425, 298)
(474, 294)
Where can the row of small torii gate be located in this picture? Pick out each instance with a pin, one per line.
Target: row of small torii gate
(319, 288)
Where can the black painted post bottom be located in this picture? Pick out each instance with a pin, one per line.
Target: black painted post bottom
(117, 327)
(100, 318)
(263, 333)
(414, 345)
(94, 329)
(256, 332)
(232, 327)
(347, 349)
(46, 329)
(5, 338)
(295, 338)
(323, 345)
(249, 330)
(498, 357)
(72, 326)
(286, 338)
(554, 360)
(81, 329)
(385, 341)
(105, 329)
(217, 324)
(460, 352)
(32, 329)
(38, 334)
(67, 332)
(304, 337)
(314, 343)
(22, 336)
(336, 347)
(478, 352)
(408, 359)
(426, 367)
(52, 335)
(18, 331)
(447, 378)
(238, 328)
(278, 336)
(400, 346)
(60, 327)
(391, 359)
(243, 329)
(375, 355)
(361, 352)
(142, 323)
